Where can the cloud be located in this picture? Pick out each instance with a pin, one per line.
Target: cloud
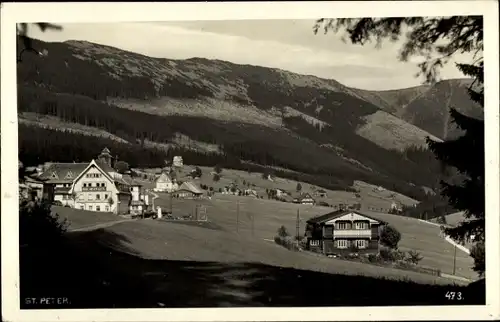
(285, 44)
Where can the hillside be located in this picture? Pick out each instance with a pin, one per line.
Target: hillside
(427, 107)
(212, 111)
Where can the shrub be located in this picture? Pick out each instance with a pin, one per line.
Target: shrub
(218, 169)
(353, 248)
(478, 253)
(38, 226)
(390, 237)
(287, 242)
(413, 257)
(303, 243)
(372, 258)
(391, 255)
(283, 232)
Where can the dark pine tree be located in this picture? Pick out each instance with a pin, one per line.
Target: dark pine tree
(466, 154)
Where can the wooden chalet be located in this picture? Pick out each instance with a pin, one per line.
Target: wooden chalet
(343, 231)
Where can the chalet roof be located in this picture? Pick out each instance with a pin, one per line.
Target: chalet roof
(300, 196)
(164, 177)
(190, 186)
(337, 214)
(62, 172)
(123, 181)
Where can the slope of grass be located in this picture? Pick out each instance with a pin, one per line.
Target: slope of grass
(131, 270)
(78, 219)
(236, 213)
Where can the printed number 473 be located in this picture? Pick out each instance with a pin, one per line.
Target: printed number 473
(453, 296)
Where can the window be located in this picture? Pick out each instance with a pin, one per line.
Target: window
(90, 196)
(105, 196)
(107, 208)
(97, 197)
(314, 243)
(54, 175)
(361, 243)
(93, 175)
(342, 225)
(85, 185)
(82, 207)
(361, 225)
(90, 207)
(69, 175)
(342, 243)
(98, 208)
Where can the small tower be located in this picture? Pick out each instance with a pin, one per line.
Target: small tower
(105, 157)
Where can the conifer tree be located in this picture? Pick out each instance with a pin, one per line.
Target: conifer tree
(466, 154)
(437, 40)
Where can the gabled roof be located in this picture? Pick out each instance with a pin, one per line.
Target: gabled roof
(164, 177)
(190, 186)
(58, 172)
(94, 163)
(337, 214)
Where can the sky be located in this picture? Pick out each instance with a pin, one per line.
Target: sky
(287, 44)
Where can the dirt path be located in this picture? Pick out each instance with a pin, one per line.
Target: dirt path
(99, 226)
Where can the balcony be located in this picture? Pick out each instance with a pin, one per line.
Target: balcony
(348, 233)
(93, 188)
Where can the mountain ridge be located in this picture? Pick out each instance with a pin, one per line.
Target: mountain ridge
(318, 126)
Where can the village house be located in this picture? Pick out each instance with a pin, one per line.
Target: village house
(93, 186)
(396, 206)
(304, 199)
(250, 193)
(320, 193)
(177, 162)
(188, 190)
(31, 188)
(58, 179)
(137, 204)
(280, 193)
(343, 231)
(165, 183)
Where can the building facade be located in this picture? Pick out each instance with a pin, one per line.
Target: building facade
(92, 186)
(165, 183)
(305, 199)
(343, 231)
(188, 190)
(94, 190)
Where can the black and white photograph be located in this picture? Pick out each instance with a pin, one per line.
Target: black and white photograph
(244, 156)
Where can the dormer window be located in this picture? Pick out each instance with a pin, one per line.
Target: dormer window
(69, 175)
(54, 175)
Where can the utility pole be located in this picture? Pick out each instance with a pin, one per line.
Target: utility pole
(237, 214)
(454, 259)
(298, 224)
(253, 233)
(171, 207)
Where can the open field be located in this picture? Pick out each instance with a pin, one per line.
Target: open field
(163, 240)
(79, 219)
(147, 264)
(269, 215)
(156, 263)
